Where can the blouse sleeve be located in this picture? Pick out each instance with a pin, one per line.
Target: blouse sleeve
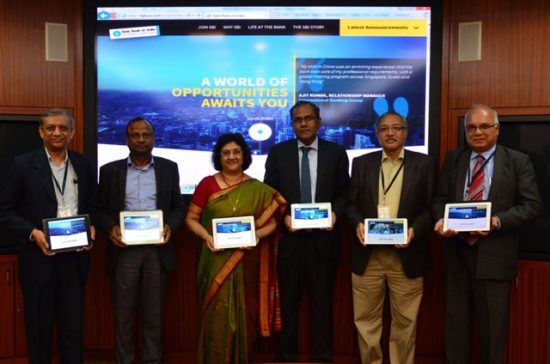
(206, 187)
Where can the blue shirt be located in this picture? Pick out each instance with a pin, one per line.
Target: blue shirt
(141, 187)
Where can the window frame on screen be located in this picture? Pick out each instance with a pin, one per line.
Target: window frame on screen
(90, 61)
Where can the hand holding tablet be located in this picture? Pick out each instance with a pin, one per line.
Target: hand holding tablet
(386, 232)
(141, 227)
(311, 215)
(467, 216)
(67, 233)
(234, 232)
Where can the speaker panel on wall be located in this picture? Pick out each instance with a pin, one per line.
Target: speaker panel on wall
(56, 42)
(469, 41)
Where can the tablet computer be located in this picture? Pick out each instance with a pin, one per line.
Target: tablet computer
(385, 231)
(234, 232)
(311, 215)
(467, 216)
(67, 233)
(141, 227)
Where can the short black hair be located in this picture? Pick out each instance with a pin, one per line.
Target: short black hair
(139, 118)
(302, 103)
(228, 138)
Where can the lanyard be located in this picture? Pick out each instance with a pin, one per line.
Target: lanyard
(61, 189)
(479, 169)
(384, 189)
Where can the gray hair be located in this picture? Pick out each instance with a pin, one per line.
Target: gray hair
(484, 108)
(57, 112)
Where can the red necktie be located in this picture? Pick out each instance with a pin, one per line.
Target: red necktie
(475, 191)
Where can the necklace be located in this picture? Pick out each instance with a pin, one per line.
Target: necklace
(236, 202)
(234, 184)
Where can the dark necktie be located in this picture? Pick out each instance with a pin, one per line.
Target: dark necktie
(305, 178)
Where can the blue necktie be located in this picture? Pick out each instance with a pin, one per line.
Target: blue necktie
(305, 178)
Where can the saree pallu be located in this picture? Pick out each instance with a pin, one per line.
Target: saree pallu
(221, 277)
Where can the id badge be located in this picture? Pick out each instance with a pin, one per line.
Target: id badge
(63, 211)
(383, 212)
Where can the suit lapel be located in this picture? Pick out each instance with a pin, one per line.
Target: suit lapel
(294, 166)
(498, 171)
(158, 178)
(373, 179)
(121, 181)
(409, 174)
(322, 155)
(463, 164)
(44, 174)
(78, 170)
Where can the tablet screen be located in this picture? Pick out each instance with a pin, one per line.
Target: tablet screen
(67, 233)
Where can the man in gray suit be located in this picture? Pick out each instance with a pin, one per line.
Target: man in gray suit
(139, 272)
(481, 265)
(391, 183)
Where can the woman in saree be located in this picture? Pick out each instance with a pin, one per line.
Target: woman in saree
(237, 289)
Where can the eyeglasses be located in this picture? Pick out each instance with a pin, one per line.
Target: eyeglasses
(50, 129)
(394, 129)
(230, 153)
(306, 118)
(484, 128)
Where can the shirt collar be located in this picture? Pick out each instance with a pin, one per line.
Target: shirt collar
(485, 154)
(131, 164)
(401, 155)
(50, 159)
(314, 145)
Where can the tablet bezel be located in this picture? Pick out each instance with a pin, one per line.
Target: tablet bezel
(240, 219)
(46, 228)
(324, 223)
(404, 235)
(487, 206)
(156, 214)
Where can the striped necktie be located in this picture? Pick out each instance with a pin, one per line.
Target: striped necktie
(475, 191)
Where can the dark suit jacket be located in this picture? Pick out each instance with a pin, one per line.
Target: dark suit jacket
(282, 173)
(29, 197)
(419, 175)
(112, 193)
(515, 200)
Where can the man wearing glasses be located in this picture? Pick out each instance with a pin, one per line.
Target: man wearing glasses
(391, 183)
(47, 183)
(305, 170)
(481, 265)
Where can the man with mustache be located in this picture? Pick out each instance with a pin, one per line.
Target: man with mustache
(304, 170)
(139, 273)
(391, 183)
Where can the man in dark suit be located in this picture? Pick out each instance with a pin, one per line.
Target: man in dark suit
(480, 266)
(139, 272)
(391, 183)
(47, 183)
(308, 258)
